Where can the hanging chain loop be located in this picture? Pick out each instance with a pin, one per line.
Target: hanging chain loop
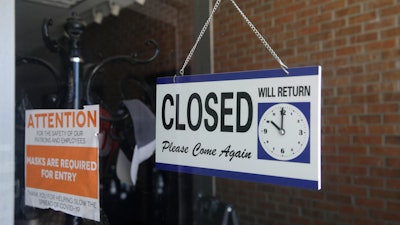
(249, 23)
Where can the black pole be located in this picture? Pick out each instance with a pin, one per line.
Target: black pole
(74, 29)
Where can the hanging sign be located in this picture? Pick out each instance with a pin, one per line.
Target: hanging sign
(61, 161)
(262, 126)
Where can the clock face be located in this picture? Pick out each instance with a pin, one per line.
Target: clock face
(283, 131)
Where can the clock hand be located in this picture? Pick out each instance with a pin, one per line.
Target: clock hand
(283, 112)
(281, 131)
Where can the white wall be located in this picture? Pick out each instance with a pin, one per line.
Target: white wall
(7, 85)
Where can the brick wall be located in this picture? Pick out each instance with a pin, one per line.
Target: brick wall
(358, 45)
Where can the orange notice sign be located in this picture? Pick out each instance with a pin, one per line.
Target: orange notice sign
(61, 161)
(69, 170)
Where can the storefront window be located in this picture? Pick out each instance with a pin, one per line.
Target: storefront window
(119, 56)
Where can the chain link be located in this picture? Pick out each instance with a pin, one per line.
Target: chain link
(203, 30)
(262, 39)
(249, 23)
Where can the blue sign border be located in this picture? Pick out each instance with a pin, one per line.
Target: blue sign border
(284, 181)
(302, 71)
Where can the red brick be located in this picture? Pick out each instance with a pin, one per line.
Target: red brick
(363, 18)
(320, 18)
(350, 70)
(368, 139)
(386, 216)
(346, 11)
(367, 37)
(393, 183)
(391, 11)
(305, 12)
(333, 24)
(391, 97)
(342, 159)
(380, 66)
(336, 100)
(354, 89)
(299, 220)
(372, 5)
(388, 151)
(308, 30)
(321, 36)
(354, 211)
(339, 198)
(333, 5)
(334, 139)
(392, 140)
(350, 50)
(366, 220)
(364, 78)
(393, 161)
(353, 190)
(370, 202)
(337, 81)
(363, 99)
(383, 108)
(379, 45)
(334, 43)
(296, 6)
(369, 119)
(331, 118)
(319, 54)
(383, 87)
(392, 32)
(384, 194)
(379, 24)
(384, 129)
(347, 31)
(393, 206)
(351, 109)
(363, 59)
(353, 150)
(370, 182)
(385, 172)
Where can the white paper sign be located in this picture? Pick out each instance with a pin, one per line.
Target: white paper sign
(262, 126)
(62, 161)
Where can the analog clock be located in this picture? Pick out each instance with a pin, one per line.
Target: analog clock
(283, 131)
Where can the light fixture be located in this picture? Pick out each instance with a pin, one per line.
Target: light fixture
(141, 2)
(97, 16)
(58, 3)
(114, 8)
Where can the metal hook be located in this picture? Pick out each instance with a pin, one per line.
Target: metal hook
(284, 68)
(51, 44)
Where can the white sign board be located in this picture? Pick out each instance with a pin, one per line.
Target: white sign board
(62, 161)
(262, 126)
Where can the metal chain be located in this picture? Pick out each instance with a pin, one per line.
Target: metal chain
(252, 27)
(262, 39)
(203, 30)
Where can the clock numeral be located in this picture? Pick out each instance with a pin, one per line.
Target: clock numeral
(265, 131)
(282, 150)
(301, 132)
